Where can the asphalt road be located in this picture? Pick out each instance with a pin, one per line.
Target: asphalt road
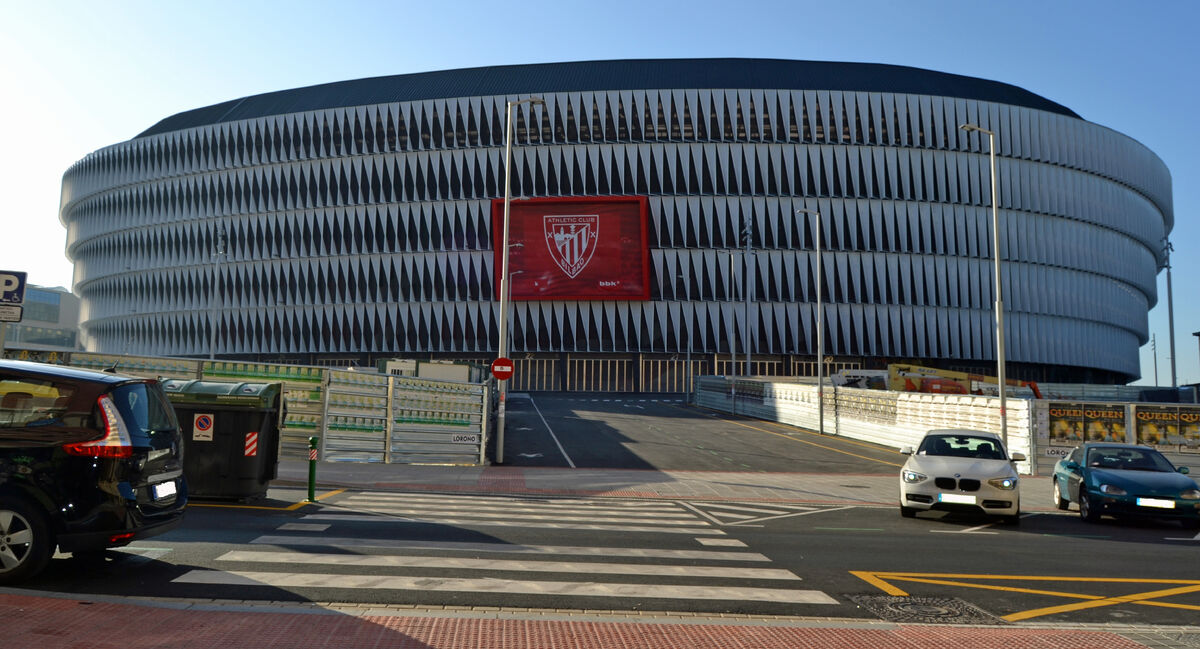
(693, 555)
(664, 433)
(378, 548)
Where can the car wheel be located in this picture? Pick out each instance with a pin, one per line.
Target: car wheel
(1059, 501)
(907, 512)
(25, 541)
(1086, 511)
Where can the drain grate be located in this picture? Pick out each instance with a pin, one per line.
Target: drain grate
(924, 610)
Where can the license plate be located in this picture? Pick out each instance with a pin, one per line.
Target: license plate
(957, 499)
(164, 490)
(1155, 502)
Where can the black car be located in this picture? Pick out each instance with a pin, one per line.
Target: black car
(88, 461)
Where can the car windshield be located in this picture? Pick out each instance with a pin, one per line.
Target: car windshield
(970, 446)
(1128, 459)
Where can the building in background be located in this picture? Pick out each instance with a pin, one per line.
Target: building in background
(350, 222)
(49, 325)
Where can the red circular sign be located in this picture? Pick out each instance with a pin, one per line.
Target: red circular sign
(502, 368)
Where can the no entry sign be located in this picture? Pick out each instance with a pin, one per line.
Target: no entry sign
(502, 368)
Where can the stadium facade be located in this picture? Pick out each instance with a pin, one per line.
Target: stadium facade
(350, 222)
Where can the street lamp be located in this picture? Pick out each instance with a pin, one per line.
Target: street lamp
(504, 280)
(1000, 379)
(820, 327)
(1197, 335)
(212, 314)
(1167, 250)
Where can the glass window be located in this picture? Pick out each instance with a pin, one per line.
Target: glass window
(29, 402)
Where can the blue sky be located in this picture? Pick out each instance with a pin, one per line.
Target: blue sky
(78, 76)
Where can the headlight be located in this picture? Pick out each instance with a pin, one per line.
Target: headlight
(1112, 490)
(1003, 483)
(1190, 494)
(913, 477)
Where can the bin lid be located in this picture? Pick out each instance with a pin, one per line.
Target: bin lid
(249, 395)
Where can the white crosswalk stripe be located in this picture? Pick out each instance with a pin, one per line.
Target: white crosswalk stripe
(555, 588)
(710, 569)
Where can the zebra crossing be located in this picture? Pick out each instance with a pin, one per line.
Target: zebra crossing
(631, 549)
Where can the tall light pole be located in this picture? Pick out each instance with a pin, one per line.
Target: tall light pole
(504, 280)
(1167, 250)
(1000, 379)
(820, 326)
(212, 314)
(746, 230)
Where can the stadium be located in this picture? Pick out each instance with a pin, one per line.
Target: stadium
(353, 222)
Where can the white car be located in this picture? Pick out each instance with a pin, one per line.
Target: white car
(961, 470)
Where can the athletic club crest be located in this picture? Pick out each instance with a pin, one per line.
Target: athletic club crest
(571, 240)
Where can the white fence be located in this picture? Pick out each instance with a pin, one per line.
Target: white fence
(894, 419)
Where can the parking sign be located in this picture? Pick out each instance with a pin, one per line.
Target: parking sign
(12, 287)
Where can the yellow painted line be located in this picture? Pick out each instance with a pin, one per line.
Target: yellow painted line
(875, 581)
(803, 441)
(289, 508)
(1009, 589)
(1182, 587)
(1138, 598)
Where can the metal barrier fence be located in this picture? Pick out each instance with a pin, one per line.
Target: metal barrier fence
(431, 421)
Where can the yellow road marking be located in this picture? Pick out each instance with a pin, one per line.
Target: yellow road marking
(881, 580)
(1137, 598)
(289, 508)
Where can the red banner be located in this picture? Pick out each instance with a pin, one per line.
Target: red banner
(575, 248)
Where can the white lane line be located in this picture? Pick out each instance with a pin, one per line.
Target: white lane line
(552, 435)
(302, 527)
(1182, 538)
(755, 510)
(970, 530)
(727, 543)
(356, 503)
(452, 563)
(468, 522)
(429, 512)
(517, 500)
(554, 588)
(342, 543)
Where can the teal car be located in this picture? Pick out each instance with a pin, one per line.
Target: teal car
(1125, 480)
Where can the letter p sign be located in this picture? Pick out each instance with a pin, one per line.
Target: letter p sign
(12, 287)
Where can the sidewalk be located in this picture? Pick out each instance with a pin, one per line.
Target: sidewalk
(34, 619)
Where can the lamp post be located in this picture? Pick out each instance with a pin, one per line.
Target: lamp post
(1167, 250)
(746, 230)
(1197, 335)
(1000, 379)
(212, 314)
(504, 280)
(820, 326)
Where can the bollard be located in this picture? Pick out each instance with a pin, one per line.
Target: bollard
(312, 469)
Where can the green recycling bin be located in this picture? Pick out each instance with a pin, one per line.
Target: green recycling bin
(231, 436)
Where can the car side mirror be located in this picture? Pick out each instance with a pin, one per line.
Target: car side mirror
(1183, 470)
(1019, 457)
(906, 450)
(1071, 466)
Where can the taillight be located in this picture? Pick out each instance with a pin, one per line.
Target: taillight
(116, 442)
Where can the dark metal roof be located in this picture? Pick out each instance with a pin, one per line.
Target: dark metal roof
(633, 74)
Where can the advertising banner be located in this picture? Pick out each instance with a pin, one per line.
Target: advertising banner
(578, 248)
(1075, 423)
(1169, 427)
